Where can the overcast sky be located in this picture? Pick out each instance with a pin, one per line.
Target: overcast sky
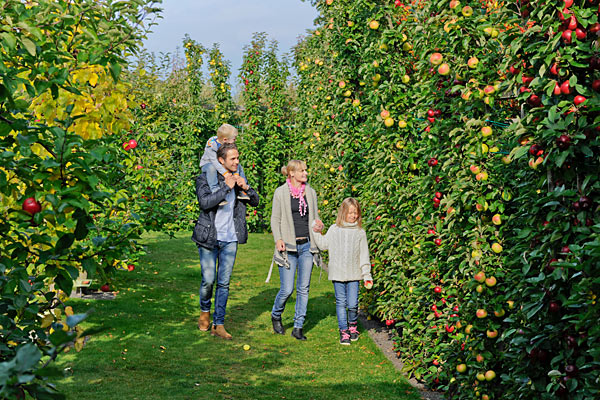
(231, 24)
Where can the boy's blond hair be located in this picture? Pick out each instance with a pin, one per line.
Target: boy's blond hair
(293, 166)
(226, 131)
(343, 211)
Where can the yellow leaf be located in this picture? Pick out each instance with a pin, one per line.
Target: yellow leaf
(47, 320)
(93, 79)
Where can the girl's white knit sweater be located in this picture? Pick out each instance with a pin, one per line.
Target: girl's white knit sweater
(348, 252)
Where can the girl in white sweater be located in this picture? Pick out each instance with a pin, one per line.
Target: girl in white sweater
(349, 263)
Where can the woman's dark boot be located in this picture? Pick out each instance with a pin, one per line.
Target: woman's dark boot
(277, 326)
(297, 333)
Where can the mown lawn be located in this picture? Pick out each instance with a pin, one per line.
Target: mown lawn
(152, 348)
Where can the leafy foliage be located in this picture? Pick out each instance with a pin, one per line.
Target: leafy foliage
(426, 113)
(64, 213)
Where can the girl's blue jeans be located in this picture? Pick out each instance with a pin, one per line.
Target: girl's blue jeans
(300, 261)
(346, 298)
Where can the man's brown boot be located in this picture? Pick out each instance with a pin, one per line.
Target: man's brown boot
(204, 321)
(219, 330)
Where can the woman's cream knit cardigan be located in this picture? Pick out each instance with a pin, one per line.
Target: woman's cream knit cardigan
(282, 223)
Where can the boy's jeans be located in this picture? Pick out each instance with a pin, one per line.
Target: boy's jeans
(211, 176)
(346, 297)
(302, 261)
(225, 252)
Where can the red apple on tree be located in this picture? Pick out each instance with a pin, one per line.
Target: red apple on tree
(490, 375)
(436, 58)
(580, 34)
(579, 99)
(480, 276)
(556, 90)
(444, 69)
(31, 206)
(491, 281)
(563, 142)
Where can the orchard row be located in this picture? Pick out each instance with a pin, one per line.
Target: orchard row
(469, 132)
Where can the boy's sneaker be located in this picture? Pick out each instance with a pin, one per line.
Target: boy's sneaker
(353, 331)
(243, 196)
(223, 203)
(344, 337)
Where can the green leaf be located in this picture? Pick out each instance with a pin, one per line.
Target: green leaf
(89, 265)
(29, 46)
(560, 160)
(64, 281)
(81, 230)
(74, 320)
(9, 40)
(27, 357)
(64, 242)
(115, 71)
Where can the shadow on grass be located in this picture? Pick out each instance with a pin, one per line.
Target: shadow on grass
(152, 348)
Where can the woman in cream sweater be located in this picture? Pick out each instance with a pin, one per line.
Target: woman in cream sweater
(294, 211)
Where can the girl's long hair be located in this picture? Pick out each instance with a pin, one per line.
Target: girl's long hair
(343, 211)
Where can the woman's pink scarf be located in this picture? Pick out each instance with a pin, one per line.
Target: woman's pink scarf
(298, 193)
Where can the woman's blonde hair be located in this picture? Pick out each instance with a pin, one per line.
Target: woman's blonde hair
(293, 166)
(345, 208)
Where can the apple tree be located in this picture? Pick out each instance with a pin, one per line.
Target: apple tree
(62, 108)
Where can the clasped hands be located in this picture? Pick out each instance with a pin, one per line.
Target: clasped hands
(232, 180)
(318, 226)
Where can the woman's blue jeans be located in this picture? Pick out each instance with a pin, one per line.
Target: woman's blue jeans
(302, 262)
(346, 297)
(225, 253)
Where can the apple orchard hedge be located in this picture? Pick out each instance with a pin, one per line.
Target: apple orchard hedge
(468, 130)
(65, 210)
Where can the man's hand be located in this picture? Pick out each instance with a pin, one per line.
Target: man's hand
(230, 181)
(318, 227)
(280, 245)
(241, 182)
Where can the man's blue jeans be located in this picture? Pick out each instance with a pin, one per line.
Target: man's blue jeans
(346, 297)
(211, 176)
(301, 261)
(225, 253)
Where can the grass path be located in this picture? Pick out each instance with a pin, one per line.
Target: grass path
(152, 348)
